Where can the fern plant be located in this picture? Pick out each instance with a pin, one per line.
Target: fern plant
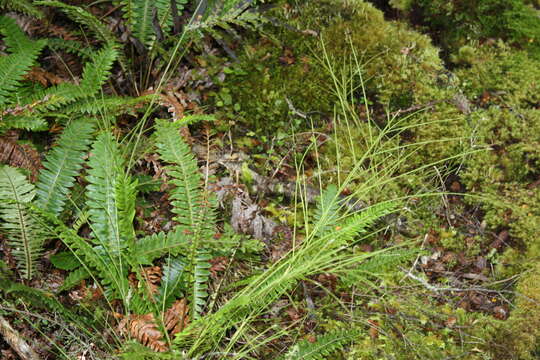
(30, 107)
(22, 232)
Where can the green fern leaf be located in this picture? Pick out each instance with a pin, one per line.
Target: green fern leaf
(30, 123)
(96, 72)
(172, 282)
(14, 66)
(326, 213)
(325, 346)
(201, 274)
(157, 245)
(14, 38)
(187, 198)
(23, 234)
(74, 278)
(23, 6)
(62, 166)
(83, 17)
(126, 192)
(139, 14)
(106, 165)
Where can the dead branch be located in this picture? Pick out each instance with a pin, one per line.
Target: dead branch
(17, 343)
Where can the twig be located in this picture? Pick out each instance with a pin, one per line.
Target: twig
(17, 343)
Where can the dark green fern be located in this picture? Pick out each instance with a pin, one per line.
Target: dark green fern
(25, 238)
(62, 165)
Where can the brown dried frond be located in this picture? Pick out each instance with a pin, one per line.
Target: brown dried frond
(176, 318)
(42, 76)
(145, 330)
(21, 156)
(152, 275)
(42, 27)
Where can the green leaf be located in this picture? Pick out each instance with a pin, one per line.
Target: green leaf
(24, 236)
(62, 165)
(65, 260)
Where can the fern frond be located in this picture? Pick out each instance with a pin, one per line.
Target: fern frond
(376, 266)
(157, 245)
(83, 17)
(44, 300)
(106, 165)
(358, 223)
(23, 6)
(70, 46)
(14, 38)
(62, 165)
(171, 282)
(96, 71)
(29, 123)
(201, 274)
(139, 15)
(14, 66)
(114, 277)
(326, 213)
(187, 197)
(126, 192)
(111, 105)
(22, 232)
(74, 278)
(325, 346)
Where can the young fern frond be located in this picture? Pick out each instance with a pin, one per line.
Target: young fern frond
(172, 281)
(140, 15)
(96, 72)
(70, 46)
(321, 349)
(199, 286)
(114, 278)
(187, 197)
(106, 165)
(326, 214)
(62, 166)
(14, 38)
(154, 246)
(83, 17)
(126, 192)
(14, 66)
(24, 236)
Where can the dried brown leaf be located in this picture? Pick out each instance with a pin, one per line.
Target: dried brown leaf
(21, 156)
(176, 318)
(145, 330)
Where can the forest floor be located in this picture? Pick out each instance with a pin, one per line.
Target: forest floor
(283, 179)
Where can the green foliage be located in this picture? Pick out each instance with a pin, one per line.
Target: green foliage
(29, 109)
(323, 348)
(83, 17)
(140, 16)
(23, 6)
(192, 207)
(106, 164)
(23, 233)
(456, 23)
(62, 166)
(13, 67)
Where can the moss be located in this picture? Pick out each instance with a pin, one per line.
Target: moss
(517, 337)
(455, 23)
(288, 68)
(503, 76)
